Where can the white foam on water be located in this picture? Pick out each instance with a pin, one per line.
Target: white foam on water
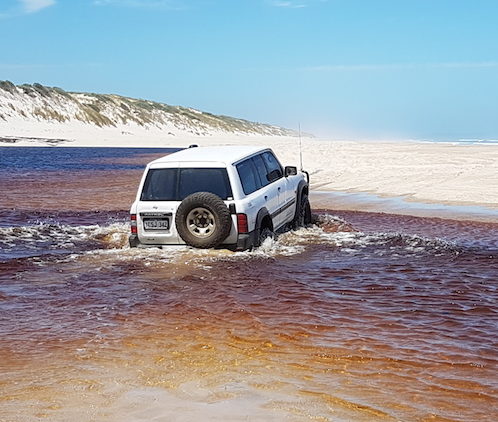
(113, 241)
(62, 235)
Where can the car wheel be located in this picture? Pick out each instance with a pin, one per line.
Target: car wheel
(263, 234)
(303, 215)
(203, 220)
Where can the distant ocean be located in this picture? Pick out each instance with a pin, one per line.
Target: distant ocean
(461, 141)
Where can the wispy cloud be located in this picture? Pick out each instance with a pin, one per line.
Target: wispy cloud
(294, 4)
(146, 4)
(41, 66)
(289, 4)
(32, 6)
(377, 67)
(401, 66)
(24, 7)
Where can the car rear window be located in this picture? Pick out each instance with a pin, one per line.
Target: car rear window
(173, 184)
(160, 185)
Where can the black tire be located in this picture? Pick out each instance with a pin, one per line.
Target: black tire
(303, 213)
(264, 233)
(203, 220)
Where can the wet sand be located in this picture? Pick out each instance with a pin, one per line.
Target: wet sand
(401, 206)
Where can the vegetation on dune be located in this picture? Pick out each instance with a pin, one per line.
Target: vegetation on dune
(48, 114)
(62, 93)
(8, 86)
(42, 90)
(91, 114)
(56, 104)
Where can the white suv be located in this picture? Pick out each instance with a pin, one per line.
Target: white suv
(230, 197)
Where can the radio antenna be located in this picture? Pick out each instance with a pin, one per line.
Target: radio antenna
(300, 148)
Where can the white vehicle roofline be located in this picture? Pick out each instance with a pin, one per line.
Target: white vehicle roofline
(188, 164)
(221, 154)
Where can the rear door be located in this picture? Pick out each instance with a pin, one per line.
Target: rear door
(162, 193)
(269, 191)
(277, 187)
(156, 207)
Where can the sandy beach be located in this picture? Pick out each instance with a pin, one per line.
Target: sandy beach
(412, 172)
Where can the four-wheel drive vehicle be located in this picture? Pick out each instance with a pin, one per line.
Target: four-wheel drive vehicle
(206, 197)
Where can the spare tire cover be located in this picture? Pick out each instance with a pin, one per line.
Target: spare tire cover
(203, 220)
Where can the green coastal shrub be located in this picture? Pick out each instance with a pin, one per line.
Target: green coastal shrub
(8, 86)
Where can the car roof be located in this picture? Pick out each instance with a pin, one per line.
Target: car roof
(219, 154)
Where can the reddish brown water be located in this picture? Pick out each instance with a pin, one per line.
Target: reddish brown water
(362, 317)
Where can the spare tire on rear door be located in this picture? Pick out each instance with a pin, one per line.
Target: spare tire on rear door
(203, 220)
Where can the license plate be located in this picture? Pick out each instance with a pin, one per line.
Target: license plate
(156, 224)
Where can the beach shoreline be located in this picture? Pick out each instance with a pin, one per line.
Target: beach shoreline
(447, 180)
(371, 203)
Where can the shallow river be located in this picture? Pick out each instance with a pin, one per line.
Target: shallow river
(361, 317)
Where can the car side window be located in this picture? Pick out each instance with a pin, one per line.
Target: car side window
(248, 176)
(261, 170)
(274, 168)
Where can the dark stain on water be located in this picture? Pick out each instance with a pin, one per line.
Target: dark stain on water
(362, 316)
(22, 160)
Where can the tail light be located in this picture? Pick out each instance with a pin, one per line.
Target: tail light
(242, 226)
(133, 223)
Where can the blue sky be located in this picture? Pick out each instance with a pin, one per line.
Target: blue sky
(369, 69)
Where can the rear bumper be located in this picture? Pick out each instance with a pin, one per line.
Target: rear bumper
(244, 241)
(133, 241)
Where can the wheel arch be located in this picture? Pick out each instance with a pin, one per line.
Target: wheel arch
(302, 189)
(263, 219)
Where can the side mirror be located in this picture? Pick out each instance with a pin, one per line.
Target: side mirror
(290, 171)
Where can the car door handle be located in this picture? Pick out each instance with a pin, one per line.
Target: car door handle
(266, 197)
(279, 189)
